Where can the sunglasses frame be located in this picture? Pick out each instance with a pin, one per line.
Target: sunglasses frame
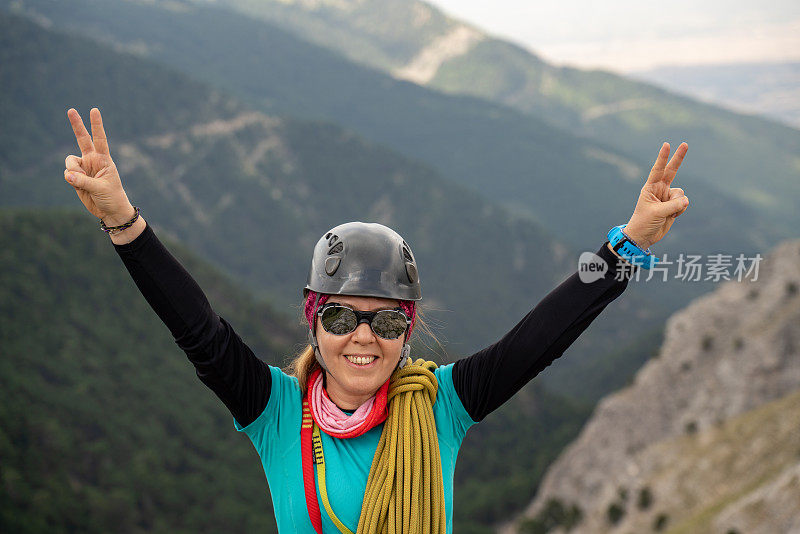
(363, 317)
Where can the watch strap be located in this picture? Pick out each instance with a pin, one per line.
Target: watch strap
(628, 249)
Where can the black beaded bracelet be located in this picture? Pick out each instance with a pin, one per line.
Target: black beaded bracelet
(112, 230)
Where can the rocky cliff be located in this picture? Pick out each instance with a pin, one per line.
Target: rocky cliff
(707, 438)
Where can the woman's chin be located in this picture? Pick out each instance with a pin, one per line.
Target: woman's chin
(362, 381)
(362, 385)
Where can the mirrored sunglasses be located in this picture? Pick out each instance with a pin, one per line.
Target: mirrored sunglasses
(340, 320)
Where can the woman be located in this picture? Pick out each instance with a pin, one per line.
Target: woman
(357, 437)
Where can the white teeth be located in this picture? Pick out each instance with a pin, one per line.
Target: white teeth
(361, 360)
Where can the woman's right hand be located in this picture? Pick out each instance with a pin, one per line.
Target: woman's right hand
(94, 175)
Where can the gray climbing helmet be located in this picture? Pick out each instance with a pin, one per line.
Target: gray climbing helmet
(364, 259)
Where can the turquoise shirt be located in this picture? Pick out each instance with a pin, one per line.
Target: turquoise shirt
(276, 436)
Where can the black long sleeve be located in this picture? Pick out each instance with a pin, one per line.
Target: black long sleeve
(493, 375)
(482, 381)
(222, 360)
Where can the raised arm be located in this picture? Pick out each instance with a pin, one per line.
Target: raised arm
(222, 360)
(490, 377)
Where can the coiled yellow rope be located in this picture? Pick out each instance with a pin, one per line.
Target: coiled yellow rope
(405, 491)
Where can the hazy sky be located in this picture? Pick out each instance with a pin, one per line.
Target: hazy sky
(625, 35)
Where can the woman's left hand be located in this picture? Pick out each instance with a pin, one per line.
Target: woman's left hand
(659, 204)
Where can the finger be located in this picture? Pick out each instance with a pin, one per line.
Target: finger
(675, 163)
(81, 181)
(669, 194)
(657, 172)
(74, 163)
(666, 209)
(98, 133)
(677, 214)
(81, 135)
(675, 192)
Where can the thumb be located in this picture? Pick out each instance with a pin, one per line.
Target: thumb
(81, 181)
(665, 209)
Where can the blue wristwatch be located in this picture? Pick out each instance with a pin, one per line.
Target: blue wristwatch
(628, 249)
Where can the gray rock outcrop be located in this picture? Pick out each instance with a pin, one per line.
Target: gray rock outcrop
(725, 354)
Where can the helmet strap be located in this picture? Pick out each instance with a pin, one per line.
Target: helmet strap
(404, 354)
(312, 340)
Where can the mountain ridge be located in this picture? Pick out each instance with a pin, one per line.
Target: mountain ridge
(628, 115)
(520, 162)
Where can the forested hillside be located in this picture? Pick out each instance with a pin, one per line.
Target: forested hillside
(750, 158)
(104, 426)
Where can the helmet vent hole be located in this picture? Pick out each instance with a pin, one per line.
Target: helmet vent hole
(407, 254)
(328, 235)
(336, 249)
(331, 264)
(411, 272)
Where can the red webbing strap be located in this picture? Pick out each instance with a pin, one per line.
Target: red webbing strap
(309, 484)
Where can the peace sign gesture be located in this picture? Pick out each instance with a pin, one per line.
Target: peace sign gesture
(659, 204)
(94, 175)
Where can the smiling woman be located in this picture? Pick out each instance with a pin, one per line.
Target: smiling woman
(356, 424)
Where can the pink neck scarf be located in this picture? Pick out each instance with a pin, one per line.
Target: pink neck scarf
(334, 422)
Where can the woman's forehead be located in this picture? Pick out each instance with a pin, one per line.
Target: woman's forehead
(365, 303)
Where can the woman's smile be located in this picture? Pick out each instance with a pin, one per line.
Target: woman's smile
(361, 360)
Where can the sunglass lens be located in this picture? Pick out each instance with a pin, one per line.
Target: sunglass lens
(339, 320)
(389, 324)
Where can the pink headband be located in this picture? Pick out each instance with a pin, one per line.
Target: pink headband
(315, 300)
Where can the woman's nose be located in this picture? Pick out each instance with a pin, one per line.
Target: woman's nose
(363, 333)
